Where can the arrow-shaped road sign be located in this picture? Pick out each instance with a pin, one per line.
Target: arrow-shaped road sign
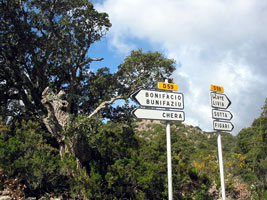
(160, 99)
(222, 126)
(165, 115)
(221, 114)
(219, 100)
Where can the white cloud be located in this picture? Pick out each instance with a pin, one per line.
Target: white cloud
(217, 42)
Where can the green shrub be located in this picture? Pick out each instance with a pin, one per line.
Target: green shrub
(25, 155)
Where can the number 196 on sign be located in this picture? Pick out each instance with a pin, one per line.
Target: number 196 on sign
(167, 86)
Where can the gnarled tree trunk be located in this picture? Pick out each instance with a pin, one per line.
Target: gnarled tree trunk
(57, 121)
(57, 118)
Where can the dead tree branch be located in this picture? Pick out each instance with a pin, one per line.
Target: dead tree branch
(104, 104)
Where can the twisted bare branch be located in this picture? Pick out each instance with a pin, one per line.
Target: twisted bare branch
(104, 104)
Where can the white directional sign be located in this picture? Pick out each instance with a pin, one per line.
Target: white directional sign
(221, 114)
(219, 100)
(153, 98)
(166, 115)
(222, 126)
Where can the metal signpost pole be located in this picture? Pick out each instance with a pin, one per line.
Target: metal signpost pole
(169, 159)
(221, 164)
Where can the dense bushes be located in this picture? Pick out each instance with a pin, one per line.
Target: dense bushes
(252, 146)
(124, 161)
(26, 156)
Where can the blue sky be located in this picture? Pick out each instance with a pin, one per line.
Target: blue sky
(112, 56)
(217, 42)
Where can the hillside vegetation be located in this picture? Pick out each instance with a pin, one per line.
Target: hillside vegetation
(128, 160)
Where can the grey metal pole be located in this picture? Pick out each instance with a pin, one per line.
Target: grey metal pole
(168, 135)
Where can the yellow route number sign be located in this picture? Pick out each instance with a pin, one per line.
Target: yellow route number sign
(167, 86)
(216, 88)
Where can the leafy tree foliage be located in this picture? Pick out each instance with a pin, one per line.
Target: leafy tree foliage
(264, 109)
(143, 70)
(45, 43)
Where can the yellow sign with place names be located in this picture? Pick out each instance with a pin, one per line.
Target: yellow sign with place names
(167, 86)
(217, 88)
